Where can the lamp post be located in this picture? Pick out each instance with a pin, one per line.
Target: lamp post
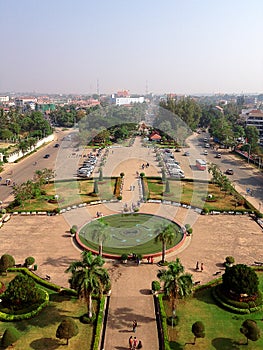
(249, 151)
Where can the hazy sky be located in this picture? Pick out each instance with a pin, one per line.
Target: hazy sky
(186, 46)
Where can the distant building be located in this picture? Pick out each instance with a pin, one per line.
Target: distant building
(4, 99)
(122, 98)
(155, 136)
(254, 117)
(26, 101)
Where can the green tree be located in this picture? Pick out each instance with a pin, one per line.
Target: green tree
(88, 277)
(166, 235)
(99, 233)
(176, 282)
(67, 329)
(100, 175)
(240, 279)
(252, 135)
(198, 330)
(250, 330)
(167, 187)
(6, 261)
(21, 292)
(10, 336)
(96, 187)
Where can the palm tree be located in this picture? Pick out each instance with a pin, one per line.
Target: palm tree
(99, 233)
(88, 277)
(165, 235)
(176, 282)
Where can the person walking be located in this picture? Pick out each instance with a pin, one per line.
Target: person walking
(202, 267)
(131, 342)
(134, 326)
(197, 266)
(139, 345)
(135, 343)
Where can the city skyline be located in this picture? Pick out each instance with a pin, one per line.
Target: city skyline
(81, 47)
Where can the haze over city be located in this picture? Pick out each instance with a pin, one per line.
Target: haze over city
(187, 47)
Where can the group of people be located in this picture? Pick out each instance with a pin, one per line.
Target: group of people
(134, 343)
(201, 266)
(145, 165)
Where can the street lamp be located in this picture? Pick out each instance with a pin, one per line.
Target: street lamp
(249, 150)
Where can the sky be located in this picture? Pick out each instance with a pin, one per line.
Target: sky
(179, 46)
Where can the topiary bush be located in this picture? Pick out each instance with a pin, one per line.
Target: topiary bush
(29, 261)
(6, 261)
(156, 286)
(73, 230)
(10, 336)
(229, 261)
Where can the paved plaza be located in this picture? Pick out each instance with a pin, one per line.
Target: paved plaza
(47, 239)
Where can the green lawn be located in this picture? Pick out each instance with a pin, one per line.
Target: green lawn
(128, 233)
(40, 332)
(221, 327)
(192, 193)
(70, 193)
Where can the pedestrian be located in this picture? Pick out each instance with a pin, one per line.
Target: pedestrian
(135, 343)
(133, 188)
(131, 342)
(148, 259)
(151, 260)
(202, 267)
(130, 188)
(197, 266)
(134, 326)
(139, 345)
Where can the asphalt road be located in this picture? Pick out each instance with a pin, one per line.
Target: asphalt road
(246, 176)
(25, 169)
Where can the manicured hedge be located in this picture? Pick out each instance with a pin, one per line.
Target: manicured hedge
(25, 316)
(99, 324)
(42, 282)
(164, 322)
(236, 306)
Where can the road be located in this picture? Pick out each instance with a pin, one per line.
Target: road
(246, 176)
(25, 169)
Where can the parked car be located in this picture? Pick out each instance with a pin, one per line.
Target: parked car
(218, 155)
(186, 153)
(205, 152)
(46, 155)
(56, 145)
(230, 172)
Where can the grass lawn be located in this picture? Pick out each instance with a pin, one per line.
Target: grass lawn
(221, 327)
(40, 332)
(128, 233)
(193, 193)
(70, 193)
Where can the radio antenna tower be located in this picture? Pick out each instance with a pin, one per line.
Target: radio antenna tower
(146, 88)
(98, 88)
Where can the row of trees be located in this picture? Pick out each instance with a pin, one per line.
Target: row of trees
(16, 125)
(224, 125)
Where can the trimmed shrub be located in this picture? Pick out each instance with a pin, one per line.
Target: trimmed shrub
(73, 229)
(156, 286)
(29, 261)
(6, 261)
(10, 336)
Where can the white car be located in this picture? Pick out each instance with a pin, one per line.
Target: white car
(205, 152)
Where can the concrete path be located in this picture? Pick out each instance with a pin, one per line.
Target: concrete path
(131, 297)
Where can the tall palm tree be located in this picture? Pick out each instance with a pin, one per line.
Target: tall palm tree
(166, 235)
(88, 277)
(99, 233)
(176, 282)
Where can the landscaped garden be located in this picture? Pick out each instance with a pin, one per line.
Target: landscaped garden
(36, 314)
(128, 233)
(221, 327)
(195, 193)
(61, 194)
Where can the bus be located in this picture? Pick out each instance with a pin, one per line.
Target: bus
(200, 164)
